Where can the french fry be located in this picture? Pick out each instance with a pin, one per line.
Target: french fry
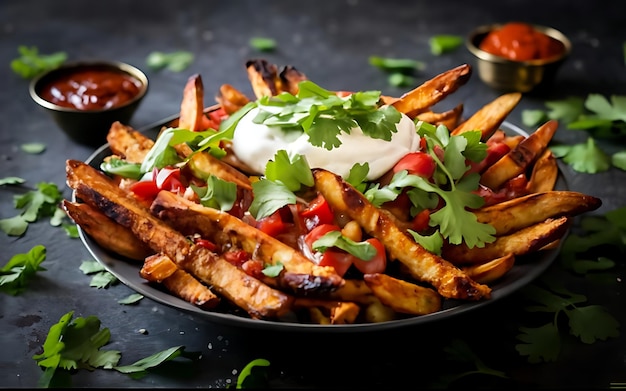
(520, 157)
(521, 242)
(489, 118)
(403, 296)
(256, 298)
(521, 212)
(190, 217)
(424, 266)
(488, 272)
(106, 232)
(203, 164)
(160, 268)
(192, 105)
(449, 118)
(432, 91)
(231, 99)
(544, 173)
(290, 78)
(128, 143)
(264, 78)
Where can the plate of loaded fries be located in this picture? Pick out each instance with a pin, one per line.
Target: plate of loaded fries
(306, 209)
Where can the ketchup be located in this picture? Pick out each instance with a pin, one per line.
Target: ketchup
(520, 42)
(91, 88)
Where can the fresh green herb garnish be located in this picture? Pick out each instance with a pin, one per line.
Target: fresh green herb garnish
(292, 171)
(131, 299)
(21, 268)
(273, 270)
(246, 378)
(31, 63)
(11, 180)
(396, 65)
(583, 157)
(217, 193)
(35, 204)
(440, 44)
(117, 166)
(33, 148)
(361, 250)
(400, 80)
(175, 61)
(263, 44)
(100, 277)
(73, 344)
(269, 196)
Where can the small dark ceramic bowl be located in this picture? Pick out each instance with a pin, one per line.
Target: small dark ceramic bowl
(510, 75)
(112, 92)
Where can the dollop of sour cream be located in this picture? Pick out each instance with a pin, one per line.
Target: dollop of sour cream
(256, 144)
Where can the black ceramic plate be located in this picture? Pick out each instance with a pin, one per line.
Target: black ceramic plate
(128, 273)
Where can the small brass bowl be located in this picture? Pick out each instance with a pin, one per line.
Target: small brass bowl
(509, 75)
(89, 124)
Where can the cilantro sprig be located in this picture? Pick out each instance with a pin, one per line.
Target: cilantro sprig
(21, 268)
(75, 343)
(31, 63)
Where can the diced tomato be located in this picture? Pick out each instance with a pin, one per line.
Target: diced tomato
(254, 268)
(514, 187)
(495, 151)
(169, 179)
(377, 264)
(236, 257)
(145, 190)
(205, 243)
(320, 210)
(272, 224)
(416, 163)
(338, 259)
(421, 220)
(318, 232)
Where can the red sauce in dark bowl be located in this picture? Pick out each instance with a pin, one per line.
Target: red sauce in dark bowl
(91, 88)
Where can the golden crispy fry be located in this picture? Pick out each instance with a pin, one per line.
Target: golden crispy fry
(520, 157)
(344, 313)
(317, 316)
(264, 78)
(231, 99)
(160, 268)
(290, 78)
(424, 266)
(489, 118)
(192, 105)
(203, 164)
(432, 91)
(523, 241)
(256, 298)
(128, 143)
(376, 312)
(403, 296)
(450, 118)
(226, 230)
(106, 232)
(544, 173)
(491, 271)
(521, 212)
(328, 311)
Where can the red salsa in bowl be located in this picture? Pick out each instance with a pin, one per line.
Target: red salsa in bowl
(86, 98)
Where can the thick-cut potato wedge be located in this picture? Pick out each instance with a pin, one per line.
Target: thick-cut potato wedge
(521, 212)
(519, 158)
(523, 241)
(449, 118)
(106, 232)
(489, 118)
(432, 91)
(423, 265)
(128, 143)
(264, 78)
(160, 268)
(226, 231)
(248, 293)
(403, 296)
(203, 164)
(290, 78)
(329, 311)
(192, 105)
(544, 173)
(231, 99)
(491, 271)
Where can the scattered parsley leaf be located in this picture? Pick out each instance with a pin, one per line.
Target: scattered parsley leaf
(273, 270)
(11, 180)
(90, 267)
(217, 193)
(618, 160)
(269, 196)
(139, 368)
(71, 230)
(400, 80)
(35, 204)
(532, 118)
(131, 299)
(31, 63)
(361, 250)
(444, 43)
(247, 377)
(33, 148)
(176, 61)
(21, 268)
(292, 171)
(396, 65)
(583, 157)
(100, 277)
(263, 44)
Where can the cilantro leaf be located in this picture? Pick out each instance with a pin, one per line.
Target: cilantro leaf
(176, 61)
(292, 171)
(583, 157)
(269, 196)
(33, 148)
(11, 180)
(31, 63)
(591, 323)
(618, 160)
(273, 270)
(361, 250)
(246, 375)
(540, 344)
(131, 299)
(396, 65)
(35, 204)
(263, 44)
(21, 268)
(217, 193)
(139, 368)
(444, 43)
